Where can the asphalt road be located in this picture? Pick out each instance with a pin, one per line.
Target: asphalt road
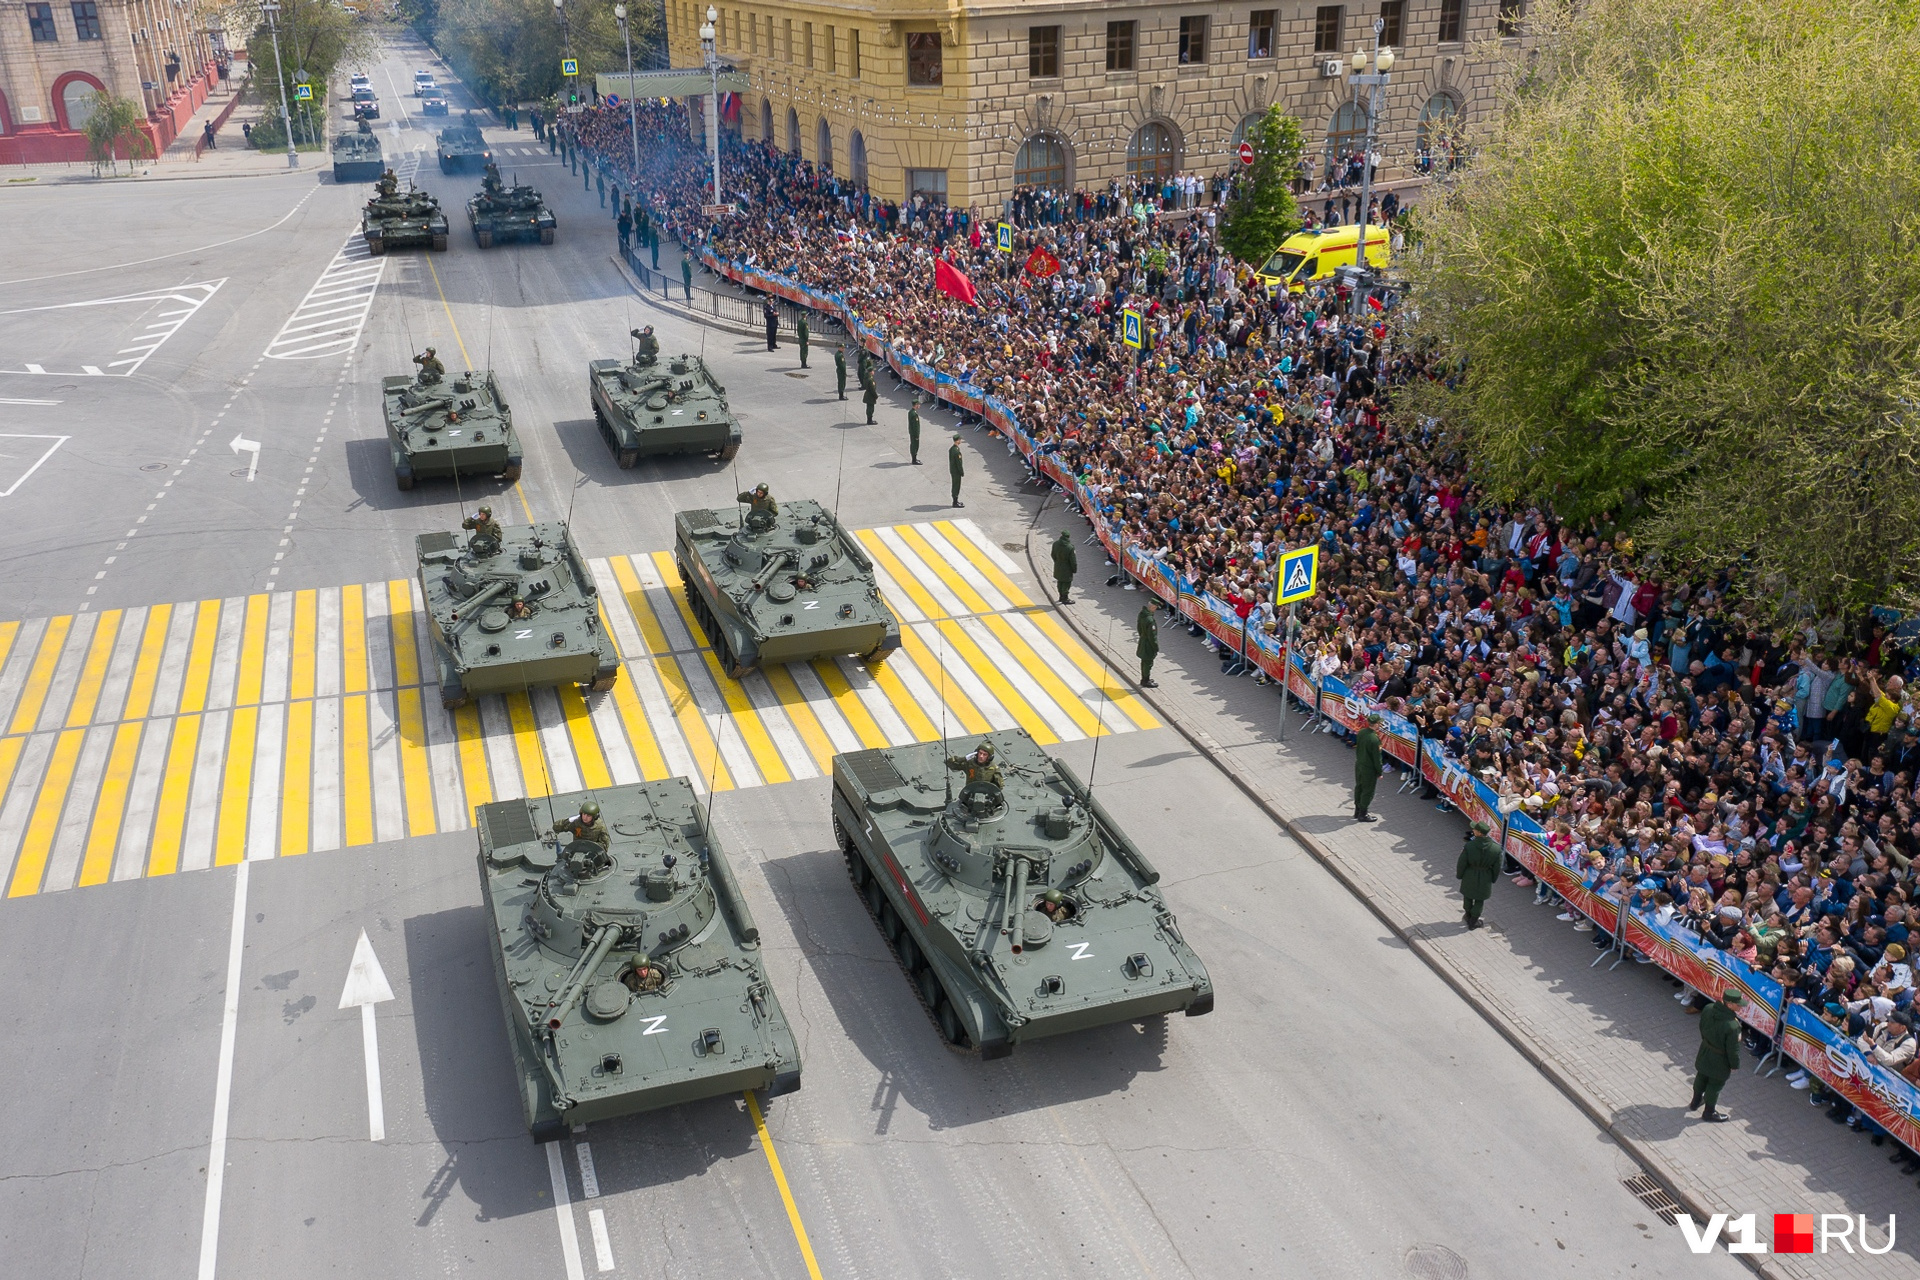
(1341, 1113)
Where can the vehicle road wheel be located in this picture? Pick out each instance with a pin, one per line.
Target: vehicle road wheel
(546, 235)
(439, 244)
(626, 458)
(484, 239)
(857, 868)
(889, 921)
(909, 953)
(512, 472)
(876, 896)
(929, 986)
(950, 1024)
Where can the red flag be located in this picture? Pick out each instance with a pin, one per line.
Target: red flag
(1375, 303)
(1042, 264)
(950, 280)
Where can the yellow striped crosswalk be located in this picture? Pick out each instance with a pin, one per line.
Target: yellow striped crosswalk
(159, 739)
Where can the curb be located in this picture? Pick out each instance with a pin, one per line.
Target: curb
(1591, 1106)
(666, 307)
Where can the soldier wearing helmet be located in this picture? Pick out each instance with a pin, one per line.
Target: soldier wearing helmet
(519, 609)
(761, 507)
(645, 976)
(431, 370)
(979, 766)
(585, 826)
(646, 346)
(486, 532)
(1055, 907)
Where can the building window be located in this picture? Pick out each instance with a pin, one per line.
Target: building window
(857, 159)
(1512, 12)
(823, 145)
(787, 33)
(753, 34)
(1450, 21)
(1245, 127)
(807, 45)
(1326, 28)
(923, 68)
(853, 53)
(1439, 141)
(40, 20)
(1151, 153)
(86, 20)
(827, 54)
(793, 133)
(766, 122)
(1392, 15)
(1193, 41)
(1120, 46)
(1346, 140)
(78, 98)
(931, 183)
(1043, 53)
(1041, 162)
(1260, 24)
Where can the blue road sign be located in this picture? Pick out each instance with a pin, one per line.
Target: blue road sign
(1299, 575)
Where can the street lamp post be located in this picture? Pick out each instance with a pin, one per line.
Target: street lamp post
(272, 10)
(1376, 85)
(633, 118)
(713, 97)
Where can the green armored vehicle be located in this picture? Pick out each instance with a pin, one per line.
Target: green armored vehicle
(783, 584)
(397, 219)
(356, 157)
(501, 212)
(438, 426)
(649, 407)
(462, 148)
(513, 610)
(1016, 906)
(628, 962)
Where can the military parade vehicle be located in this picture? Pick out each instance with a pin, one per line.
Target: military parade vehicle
(501, 212)
(629, 965)
(782, 583)
(1013, 901)
(513, 610)
(397, 219)
(648, 406)
(462, 147)
(442, 426)
(356, 157)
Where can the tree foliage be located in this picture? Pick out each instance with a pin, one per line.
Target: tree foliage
(315, 36)
(1261, 211)
(1680, 273)
(510, 50)
(112, 128)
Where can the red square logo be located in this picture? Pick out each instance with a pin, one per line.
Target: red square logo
(1793, 1233)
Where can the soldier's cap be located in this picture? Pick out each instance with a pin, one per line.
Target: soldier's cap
(1482, 827)
(1734, 995)
(1373, 717)
(956, 435)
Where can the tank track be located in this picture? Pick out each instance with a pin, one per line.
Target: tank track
(856, 865)
(715, 633)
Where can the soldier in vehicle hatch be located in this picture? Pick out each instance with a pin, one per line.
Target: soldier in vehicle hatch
(431, 370)
(586, 825)
(1054, 906)
(519, 610)
(979, 767)
(646, 347)
(763, 508)
(644, 976)
(486, 532)
(388, 186)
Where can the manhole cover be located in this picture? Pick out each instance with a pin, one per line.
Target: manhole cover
(154, 466)
(1435, 1262)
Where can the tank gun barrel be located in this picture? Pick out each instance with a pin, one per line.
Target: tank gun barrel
(431, 402)
(570, 995)
(465, 610)
(1016, 912)
(774, 563)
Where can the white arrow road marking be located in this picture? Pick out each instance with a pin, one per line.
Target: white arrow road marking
(240, 444)
(366, 987)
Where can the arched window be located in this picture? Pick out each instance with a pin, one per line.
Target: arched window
(1439, 137)
(766, 121)
(1041, 162)
(857, 158)
(793, 131)
(73, 99)
(1152, 154)
(1241, 130)
(823, 145)
(1346, 135)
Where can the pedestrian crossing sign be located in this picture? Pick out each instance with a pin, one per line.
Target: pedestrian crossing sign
(1299, 575)
(1130, 329)
(569, 66)
(1005, 237)
(303, 93)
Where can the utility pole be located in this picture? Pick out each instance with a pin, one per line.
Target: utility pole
(713, 97)
(1376, 85)
(272, 9)
(633, 118)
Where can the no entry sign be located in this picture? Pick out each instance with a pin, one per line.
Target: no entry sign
(1246, 153)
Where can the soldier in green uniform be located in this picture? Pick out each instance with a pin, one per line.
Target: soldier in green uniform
(869, 397)
(866, 369)
(431, 370)
(801, 333)
(686, 271)
(1366, 767)
(913, 431)
(646, 346)
(1479, 864)
(1065, 565)
(585, 826)
(979, 766)
(1719, 1052)
(1053, 905)
(840, 371)
(761, 507)
(1147, 647)
(486, 532)
(624, 225)
(388, 185)
(956, 468)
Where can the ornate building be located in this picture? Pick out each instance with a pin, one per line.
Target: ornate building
(54, 56)
(969, 102)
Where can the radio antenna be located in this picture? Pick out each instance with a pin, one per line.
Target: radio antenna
(1100, 712)
(944, 747)
(545, 775)
(839, 478)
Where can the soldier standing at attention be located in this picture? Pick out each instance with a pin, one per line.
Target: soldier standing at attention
(1065, 565)
(840, 370)
(1479, 863)
(956, 468)
(486, 532)
(585, 826)
(625, 225)
(1147, 647)
(686, 267)
(869, 397)
(801, 333)
(1719, 1052)
(913, 431)
(1366, 767)
(771, 314)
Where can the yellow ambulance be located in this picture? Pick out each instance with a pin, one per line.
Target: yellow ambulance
(1313, 255)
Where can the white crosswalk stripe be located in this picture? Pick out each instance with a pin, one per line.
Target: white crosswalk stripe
(329, 319)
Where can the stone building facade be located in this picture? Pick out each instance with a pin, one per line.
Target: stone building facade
(973, 100)
(55, 55)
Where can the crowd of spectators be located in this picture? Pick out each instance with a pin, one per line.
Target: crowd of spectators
(1753, 783)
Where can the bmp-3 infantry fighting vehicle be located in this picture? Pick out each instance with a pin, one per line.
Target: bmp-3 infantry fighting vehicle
(629, 965)
(462, 148)
(397, 219)
(440, 426)
(514, 609)
(650, 406)
(785, 584)
(1015, 904)
(356, 157)
(501, 212)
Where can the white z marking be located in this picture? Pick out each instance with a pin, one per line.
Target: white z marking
(811, 604)
(522, 635)
(1080, 950)
(654, 1026)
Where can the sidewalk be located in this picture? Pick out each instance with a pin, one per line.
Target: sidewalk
(1614, 1040)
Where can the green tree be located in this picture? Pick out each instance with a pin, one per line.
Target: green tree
(315, 36)
(112, 128)
(511, 49)
(1261, 211)
(1678, 272)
